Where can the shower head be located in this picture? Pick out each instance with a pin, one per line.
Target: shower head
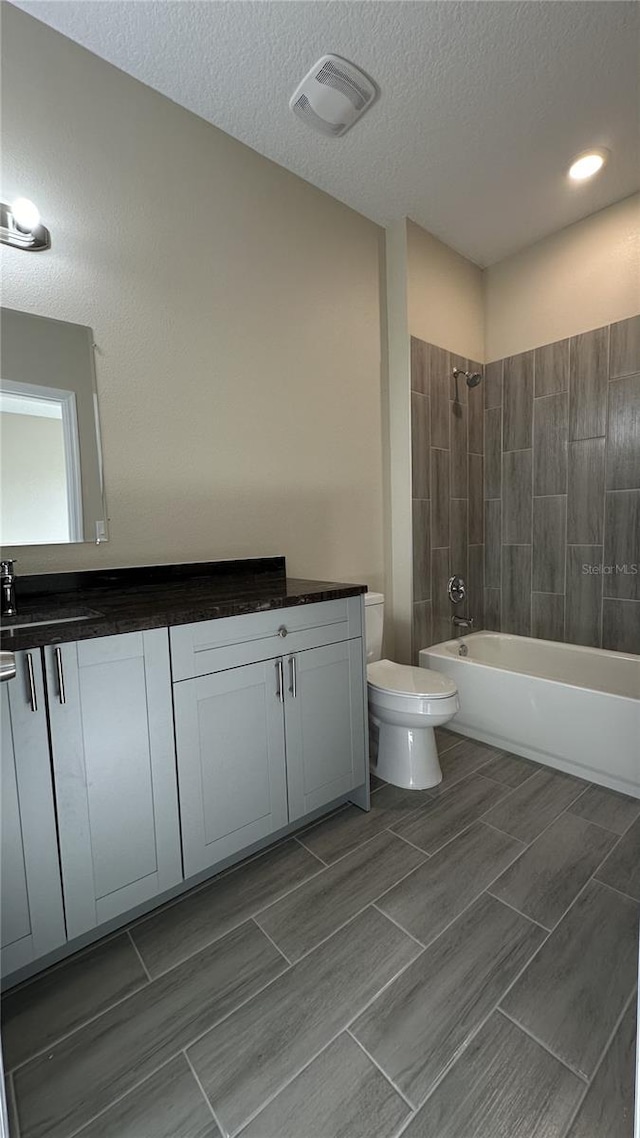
(472, 377)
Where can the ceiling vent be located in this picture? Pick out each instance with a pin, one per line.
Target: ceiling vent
(333, 96)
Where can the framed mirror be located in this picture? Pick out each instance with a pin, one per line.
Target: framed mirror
(51, 484)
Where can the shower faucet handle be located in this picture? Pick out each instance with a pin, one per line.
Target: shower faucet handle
(456, 589)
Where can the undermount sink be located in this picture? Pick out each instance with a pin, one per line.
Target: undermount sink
(37, 619)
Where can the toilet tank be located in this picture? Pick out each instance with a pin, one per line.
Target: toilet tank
(373, 619)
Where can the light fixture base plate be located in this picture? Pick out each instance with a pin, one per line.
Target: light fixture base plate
(32, 241)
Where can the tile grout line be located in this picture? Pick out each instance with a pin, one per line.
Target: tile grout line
(382, 829)
(270, 938)
(345, 1027)
(495, 1008)
(84, 950)
(466, 907)
(68, 1034)
(144, 988)
(612, 888)
(242, 921)
(365, 1007)
(178, 1051)
(407, 842)
(307, 850)
(565, 810)
(508, 791)
(138, 954)
(371, 838)
(281, 1087)
(205, 1096)
(545, 1046)
(242, 1004)
(127, 932)
(136, 1086)
(601, 1060)
(591, 878)
(317, 856)
(384, 1074)
(513, 908)
(173, 902)
(528, 845)
(579, 894)
(486, 890)
(632, 823)
(599, 825)
(402, 929)
(588, 882)
(369, 904)
(504, 833)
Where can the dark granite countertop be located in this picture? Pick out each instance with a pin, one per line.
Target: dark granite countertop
(129, 600)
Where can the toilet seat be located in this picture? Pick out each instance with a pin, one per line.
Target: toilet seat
(405, 680)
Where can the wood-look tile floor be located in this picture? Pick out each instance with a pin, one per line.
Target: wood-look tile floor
(460, 963)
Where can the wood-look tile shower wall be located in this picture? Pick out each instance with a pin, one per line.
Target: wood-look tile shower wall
(447, 497)
(562, 490)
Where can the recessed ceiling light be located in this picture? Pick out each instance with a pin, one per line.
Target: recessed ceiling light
(587, 164)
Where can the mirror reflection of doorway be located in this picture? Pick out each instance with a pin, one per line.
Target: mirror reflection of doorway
(39, 465)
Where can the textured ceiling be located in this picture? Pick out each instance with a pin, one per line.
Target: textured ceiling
(482, 104)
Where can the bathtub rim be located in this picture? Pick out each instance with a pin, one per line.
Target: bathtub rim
(441, 651)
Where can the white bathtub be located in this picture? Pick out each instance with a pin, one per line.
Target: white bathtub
(574, 708)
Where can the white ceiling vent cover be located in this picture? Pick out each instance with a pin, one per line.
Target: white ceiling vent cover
(333, 96)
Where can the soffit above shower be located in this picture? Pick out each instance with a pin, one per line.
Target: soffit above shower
(482, 105)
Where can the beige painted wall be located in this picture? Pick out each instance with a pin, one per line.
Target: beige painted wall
(435, 294)
(444, 295)
(236, 313)
(397, 643)
(583, 277)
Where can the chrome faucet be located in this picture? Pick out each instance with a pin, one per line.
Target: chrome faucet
(7, 589)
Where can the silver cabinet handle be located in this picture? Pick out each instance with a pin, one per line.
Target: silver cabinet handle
(280, 673)
(61, 694)
(32, 683)
(292, 672)
(282, 631)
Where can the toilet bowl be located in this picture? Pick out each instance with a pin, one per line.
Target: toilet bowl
(405, 704)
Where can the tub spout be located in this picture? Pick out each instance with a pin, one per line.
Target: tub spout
(462, 622)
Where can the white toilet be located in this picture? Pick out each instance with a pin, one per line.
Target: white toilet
(405, 704)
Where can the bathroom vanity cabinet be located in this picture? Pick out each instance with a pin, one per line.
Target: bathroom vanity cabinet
(269, 722)
(113, 757)
(132, 763)
(90, 808)
(31, 915)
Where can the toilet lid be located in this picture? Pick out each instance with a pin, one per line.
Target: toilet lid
(402, 678)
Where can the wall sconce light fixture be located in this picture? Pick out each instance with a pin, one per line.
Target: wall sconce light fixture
(20, 226)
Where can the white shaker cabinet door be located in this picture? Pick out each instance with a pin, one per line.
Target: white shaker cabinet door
(325, 725)
(31, 913)
(231, 761)
(114, 764)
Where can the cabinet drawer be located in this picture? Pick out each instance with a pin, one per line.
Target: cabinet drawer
(214, 645)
